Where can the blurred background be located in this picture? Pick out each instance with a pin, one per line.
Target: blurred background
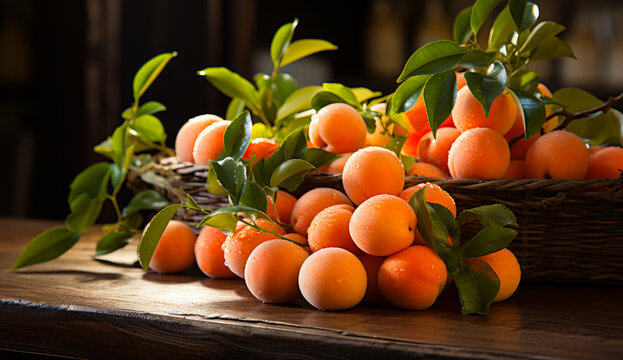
(66, 66)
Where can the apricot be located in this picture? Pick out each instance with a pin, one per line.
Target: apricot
(606, 163)
(372, 264)
(188, 133)
(272, 271)
(480, 153)
(209, 253)
(372, 171)
(379, 137)
(337, 165)
(313, 202)
(383, 225)
(175, 251)
(210, 143)
(338, 128)
(330, 229)
(418, 118)
(426, 169)
(469, 114)
(300, 239)
(516, 170)
(433, 193)
(592, 150)
(412, 278)
(557, 155)
(260, 148)
(333, 279)
(520, 147)
(239, 245)
(506, 267)
(435, 150)
(284, 202)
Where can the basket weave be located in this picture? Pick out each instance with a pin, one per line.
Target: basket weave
(569, 231)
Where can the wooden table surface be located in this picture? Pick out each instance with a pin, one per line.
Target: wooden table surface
(79, 307)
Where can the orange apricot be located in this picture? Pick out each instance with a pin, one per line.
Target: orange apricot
(210, 143)
(480, 153)
(592, 150)
(435, 150)
(418, 118)
(260, 148)
(505, 265)
(460, 80)
(337, 165)
(469, 114)
(175, 251)
(209, 253)
(272, 271)
(426, 169)
(188, 133)
(333, 279)
(557, 155)
(284, 204)
(379, 137)
(520, 147)
(412, 278)
(606, 163)
(239, 245)
(313, 202)
(330, 229)
(383, 225)
(338, 128)
(372, 171)
(372, 264)
(300, 239)
(433, 193)
(516, 170)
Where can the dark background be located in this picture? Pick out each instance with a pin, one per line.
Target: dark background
(66, 67)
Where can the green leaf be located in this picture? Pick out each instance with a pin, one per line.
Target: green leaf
(149, 128)
(552, 48)
(111, 242)
(235, 107)
(153, 232)
(324, 98)
(407, 93)
(212, 184)
(105, 148)
(488, 86)
(396, 145)
(305, 47)
(489, 240)
(237, 137)
(149, 72)
(132, 222)
(443, 222)
(502, 30)
(532, 111)
(192, 203)
(91, 181)
(433, 58)
(480, 11)
(128, 113)
(369, 118)
(253, 196)
(541, 33)
(292, 123)
(119, 149)
(477, 58)
(344, 93)
(298, 101)
(84, 212)
(225, 222)
(439, 98)
(288, 169)
(283, 86)
(145, 200)
(281, 41)
(600, 128)
(232, 85)
(232, 176)
(319, 157)
(524, 13)
(150, 107)
(478, 285)
(424, 222)
(294, 146)
(462, 30)
(524, 80)
(488, 215)
(47, 246)
(363, 94)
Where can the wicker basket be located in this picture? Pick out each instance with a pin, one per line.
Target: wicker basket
(569, 231)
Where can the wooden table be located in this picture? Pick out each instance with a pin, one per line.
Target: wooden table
(79, 307)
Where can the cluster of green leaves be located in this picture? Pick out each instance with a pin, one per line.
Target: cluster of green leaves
(477, 283)
(246, 182)
(140, 131)
(276, 99)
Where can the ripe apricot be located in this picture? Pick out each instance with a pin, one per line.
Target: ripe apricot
(272, 271)
(479, 153)
(188, 133)
(557, 155)
(412, 278)
(426, 169)
(592, 150)
(382, 225)
(435, 150)
(379, 137)
(175, 251)
(333, 279)
(300, 239)
(284, 204)
(516, 170)
(260, 148)
(433, 193)
(606, 163)
(239, 245)
(330, 229)
(505, 265)
(311, 203)
(338, 128)
(372, 171)
(210, 143)
(469, 114)
(372, 264)
(520, 147)
(209, 253)
(337, 165)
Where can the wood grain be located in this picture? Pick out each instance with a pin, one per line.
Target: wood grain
(77, 306)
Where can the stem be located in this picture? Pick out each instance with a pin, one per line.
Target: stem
(252, 225)
(160, 147)
(115, 204)
(569, 116)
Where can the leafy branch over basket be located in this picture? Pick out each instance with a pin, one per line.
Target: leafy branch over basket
(141, 131)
